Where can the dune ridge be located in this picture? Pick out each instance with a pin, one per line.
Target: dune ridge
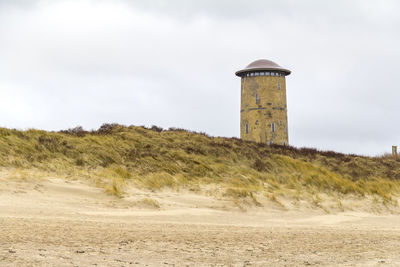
(119, 158)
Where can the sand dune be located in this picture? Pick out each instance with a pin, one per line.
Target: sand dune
(54, 222)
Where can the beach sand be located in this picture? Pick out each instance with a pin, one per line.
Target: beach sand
(54, 222)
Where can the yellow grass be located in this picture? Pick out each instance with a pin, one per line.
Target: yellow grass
(115, 156)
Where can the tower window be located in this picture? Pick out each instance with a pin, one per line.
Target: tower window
(247, 128)
(257, 74)
(262, 73)
(279, 86)
(267, 73)
(257, 99)
(257, 122)
(252, 74)
(273, 127)
(285, 128)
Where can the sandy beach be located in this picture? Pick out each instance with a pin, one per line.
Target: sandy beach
(53, 222)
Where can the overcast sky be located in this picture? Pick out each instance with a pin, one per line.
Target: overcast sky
(172, 64)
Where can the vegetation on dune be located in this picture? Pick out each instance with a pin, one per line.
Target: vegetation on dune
(154, 158)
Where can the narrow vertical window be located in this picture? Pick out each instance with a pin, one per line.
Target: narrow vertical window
(273, 127)
(285, 128)
(257, 99)
(247, 128)
(279, 86)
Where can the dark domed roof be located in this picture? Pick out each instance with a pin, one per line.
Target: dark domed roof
(263, 64)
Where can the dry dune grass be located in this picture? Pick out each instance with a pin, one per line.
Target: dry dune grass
(116, 156)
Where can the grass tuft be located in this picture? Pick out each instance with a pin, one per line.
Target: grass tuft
(149, 203)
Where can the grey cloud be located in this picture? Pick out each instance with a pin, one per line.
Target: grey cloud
(172, 63)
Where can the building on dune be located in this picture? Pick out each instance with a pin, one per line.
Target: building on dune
(263, 113)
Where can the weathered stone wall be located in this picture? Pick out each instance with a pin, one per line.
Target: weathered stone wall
(262, 104)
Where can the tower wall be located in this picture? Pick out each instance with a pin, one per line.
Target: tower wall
(264, 109)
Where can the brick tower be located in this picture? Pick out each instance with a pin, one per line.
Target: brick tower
(263, 113)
